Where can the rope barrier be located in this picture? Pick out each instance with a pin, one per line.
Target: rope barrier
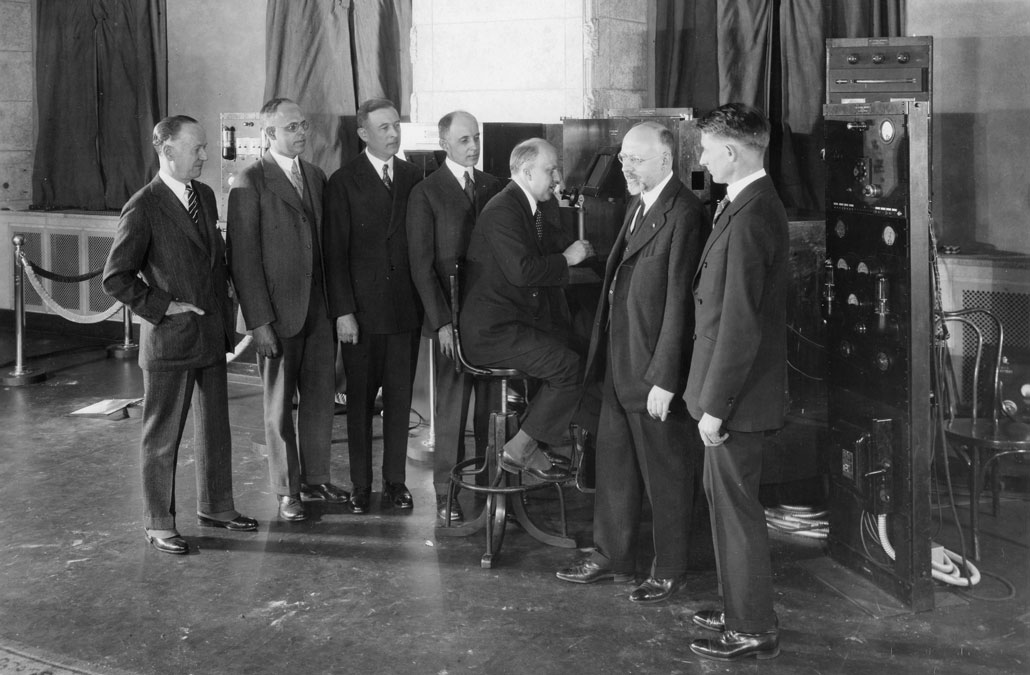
(47, 274)
(30, 269)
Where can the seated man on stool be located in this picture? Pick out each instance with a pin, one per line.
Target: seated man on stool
(514, 313)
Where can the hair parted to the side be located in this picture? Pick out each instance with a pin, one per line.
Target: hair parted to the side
(168, 128)
(270, 108)
(444, 125)
(738, 122)
(370, 106)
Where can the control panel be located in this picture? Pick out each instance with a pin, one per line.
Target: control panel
(876, 305)
(863, 70)
(242, 143)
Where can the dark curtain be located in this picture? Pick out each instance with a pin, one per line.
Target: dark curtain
(771, 54)
(328, 55)
(101, 86)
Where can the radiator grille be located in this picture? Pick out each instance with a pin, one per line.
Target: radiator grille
(1013, 310)
(97, 248)
(33, 248)
(64, 260)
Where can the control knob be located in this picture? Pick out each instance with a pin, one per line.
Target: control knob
(872, 191)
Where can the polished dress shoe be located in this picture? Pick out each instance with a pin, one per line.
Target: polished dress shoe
(654, 589)
(588, 571)
(398, 495)
(733, 646)
(441, 510)
(560, 461)
(240, 523)
(323, 492)
(175, 545)
(710, 619)
(291, 508)
(359, 500)
(552, 474)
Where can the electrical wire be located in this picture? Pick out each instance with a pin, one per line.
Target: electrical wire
(800, 521)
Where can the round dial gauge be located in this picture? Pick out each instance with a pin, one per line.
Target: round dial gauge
(862, 268)
(853, 299)
(889, 235)
(883, 362)
(840, 229)
(886, 131)
(842, 264)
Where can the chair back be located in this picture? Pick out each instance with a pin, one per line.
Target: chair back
(461, 364)
(984, 381)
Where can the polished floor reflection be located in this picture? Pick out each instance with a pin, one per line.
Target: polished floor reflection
(378, 593)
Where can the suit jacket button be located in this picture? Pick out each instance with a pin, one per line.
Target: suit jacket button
(704, 264)
(700, 301)
(694, 336)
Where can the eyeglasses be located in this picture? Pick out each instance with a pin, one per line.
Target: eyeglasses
(292, 128)
(629, 160)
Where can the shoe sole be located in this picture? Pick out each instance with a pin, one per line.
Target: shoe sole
(208, 523)
(614, 578)
(320, 498)
(297, 519)
(150, 540)
(759, 655)
(655, 601)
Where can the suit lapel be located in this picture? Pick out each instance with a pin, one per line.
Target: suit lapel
(654, 220)
(618, 252)
(402, 182)
(726, 217)
(313, 192)
(279, 184)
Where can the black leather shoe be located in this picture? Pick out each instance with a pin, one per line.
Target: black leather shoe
(587, 572)
(654, 590)
(710, 619)
(291, 508)
(175, 545)
(733, 646)
(359, 500)
(240, 523)
(441, 510)
(398, 495)
(323, 492)
(552, 474)
(560, 461)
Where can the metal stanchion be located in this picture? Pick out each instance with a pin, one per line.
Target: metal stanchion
(20, 375)
(127, 349)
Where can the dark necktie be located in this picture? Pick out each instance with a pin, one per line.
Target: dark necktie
(470, 188)
(387, 181)
(191, 204)
(637, 220)
(720, 208)
(539, 222)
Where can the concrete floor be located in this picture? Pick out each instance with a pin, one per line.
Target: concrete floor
(81, 592)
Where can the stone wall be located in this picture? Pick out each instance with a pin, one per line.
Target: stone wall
(17, 109)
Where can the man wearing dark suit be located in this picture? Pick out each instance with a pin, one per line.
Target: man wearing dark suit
(514, 311)
(738, 375)
(375, 302)
(442, 211)
(167, 263)
(279, 271)
(642, 334)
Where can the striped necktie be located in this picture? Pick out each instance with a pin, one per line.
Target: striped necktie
(191, 204)
(720, 208)
(387, 181)
(296, 178)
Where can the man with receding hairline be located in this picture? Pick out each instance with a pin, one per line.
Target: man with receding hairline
(279, 270)
(167, 263)
(514, 311)
(442, 212)
(640, 350)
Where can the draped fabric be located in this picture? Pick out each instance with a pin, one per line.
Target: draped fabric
(329, 55)
(101, 86)
(770, 54)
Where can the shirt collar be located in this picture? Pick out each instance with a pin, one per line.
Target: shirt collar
(176, 185)
(734, 188)
(459, 171)
(377, 163)
(531, 198)
(649, 197)
(285, 163)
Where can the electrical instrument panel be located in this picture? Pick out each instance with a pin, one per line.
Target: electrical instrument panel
(876, 303)
(863, 70)
(242, 143)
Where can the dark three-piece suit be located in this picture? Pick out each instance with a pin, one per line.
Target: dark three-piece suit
(365, 229)
(641, 339)
(440, 221)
